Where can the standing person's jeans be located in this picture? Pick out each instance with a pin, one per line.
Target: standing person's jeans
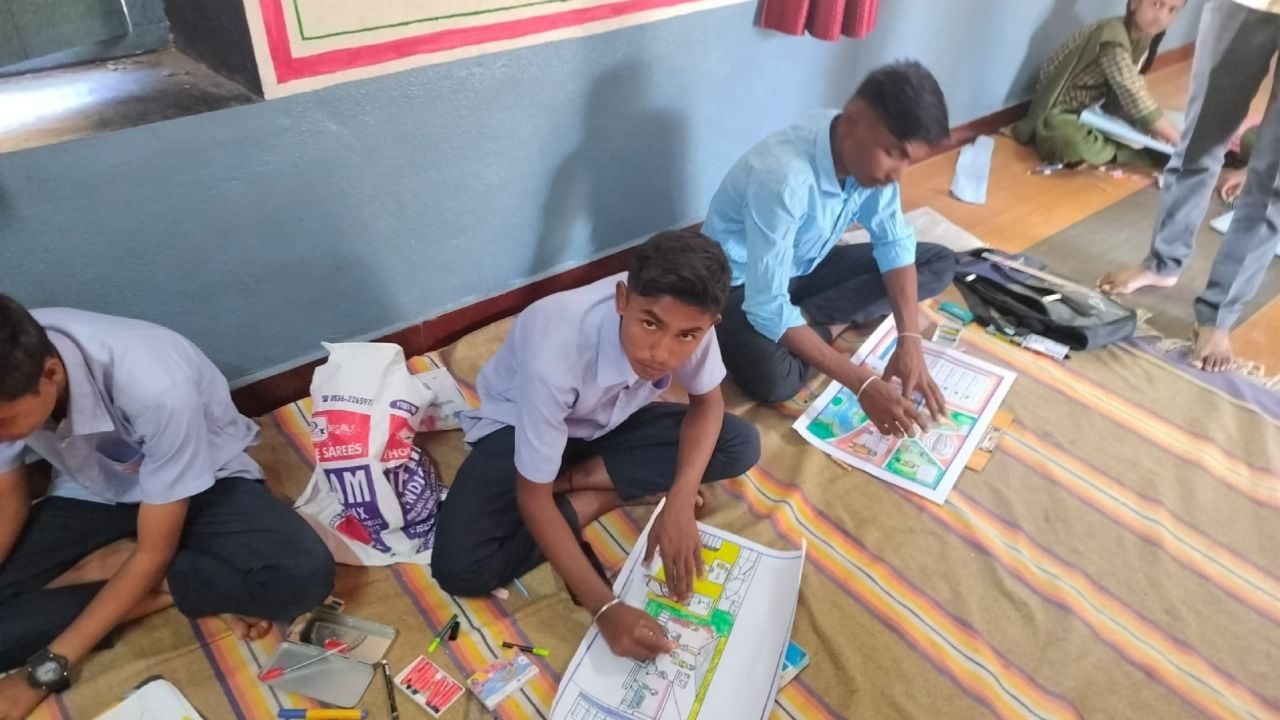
(242, 552)
(1235, 50)
(846, 287)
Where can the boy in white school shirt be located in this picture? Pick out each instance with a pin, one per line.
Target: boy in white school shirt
(145, 443)
(567, 430)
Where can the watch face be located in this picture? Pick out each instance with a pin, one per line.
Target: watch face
(47, 673)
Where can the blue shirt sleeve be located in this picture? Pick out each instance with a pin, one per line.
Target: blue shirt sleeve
(175, 441)
(770, 226)
(893, 241)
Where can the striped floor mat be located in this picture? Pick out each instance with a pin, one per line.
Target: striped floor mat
(1117, 559)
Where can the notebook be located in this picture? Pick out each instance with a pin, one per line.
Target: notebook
(155, 699)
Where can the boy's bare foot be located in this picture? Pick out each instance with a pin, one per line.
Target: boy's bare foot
(98, 566)
(1123, 282)
(246, 628)
(1213, 350)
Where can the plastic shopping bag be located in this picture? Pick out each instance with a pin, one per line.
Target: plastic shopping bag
(373, 495)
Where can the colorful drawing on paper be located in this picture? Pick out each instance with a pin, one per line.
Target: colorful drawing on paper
(306, 44)
(928, 464)
(735, 627)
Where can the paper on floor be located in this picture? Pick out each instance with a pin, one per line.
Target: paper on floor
(930, 226)
(156, 700)
(1222, 222)
(928, 464)
(973, 168)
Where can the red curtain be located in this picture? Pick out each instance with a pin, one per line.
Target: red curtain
(823, 19)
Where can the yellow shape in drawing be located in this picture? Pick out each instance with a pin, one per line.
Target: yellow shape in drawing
(708, 588)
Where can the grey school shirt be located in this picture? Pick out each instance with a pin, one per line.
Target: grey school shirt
(149, 417)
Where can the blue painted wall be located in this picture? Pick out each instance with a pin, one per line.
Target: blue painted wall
(262, 230)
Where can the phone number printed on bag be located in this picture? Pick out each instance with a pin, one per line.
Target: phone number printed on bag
(346, 400)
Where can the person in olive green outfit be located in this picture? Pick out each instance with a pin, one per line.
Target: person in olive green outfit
(1103, 63)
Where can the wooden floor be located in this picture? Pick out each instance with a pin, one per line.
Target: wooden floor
(1024, 209)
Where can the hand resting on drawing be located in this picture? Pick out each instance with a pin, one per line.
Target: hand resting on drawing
(633, 633)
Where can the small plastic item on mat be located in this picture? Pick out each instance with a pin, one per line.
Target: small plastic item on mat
(947, 334)
(999, 334)
(540, 652)
(520, 586)
(322, 714)
(957, 312)
(500, 679)
(447, 403)
(1047, 169)
(369, 641)
(444, 633)
(1222, 224)
(333, 647)
(429, 686)
(987, 446)
(795, 660)
(391, 690)
(1045, 346)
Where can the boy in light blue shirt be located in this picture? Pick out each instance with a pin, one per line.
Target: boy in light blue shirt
(779, 214)
(146, 448)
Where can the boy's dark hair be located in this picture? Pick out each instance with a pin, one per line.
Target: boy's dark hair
(682, 264)
(909, 101)
(24, 348)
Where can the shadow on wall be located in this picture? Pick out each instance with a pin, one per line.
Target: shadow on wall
(228, 306)
(345, 285)
(1062, 22)
(625, 178)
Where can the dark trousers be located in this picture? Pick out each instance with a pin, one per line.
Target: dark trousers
(846, 287)
(481, 540)
(242, 551)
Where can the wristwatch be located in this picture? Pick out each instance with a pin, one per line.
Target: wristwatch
(48, 671)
